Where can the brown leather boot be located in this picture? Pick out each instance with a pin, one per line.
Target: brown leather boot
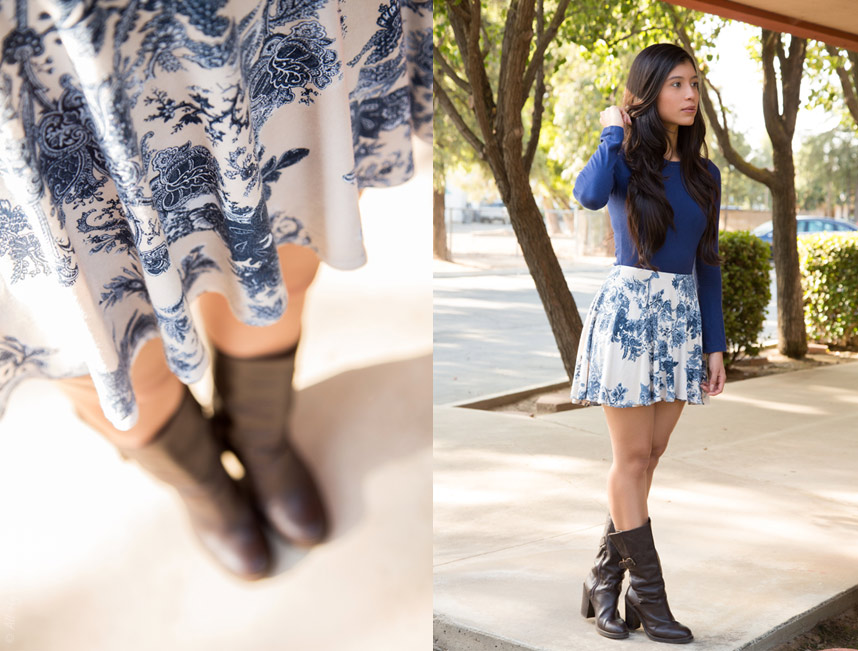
(646, 600)
(253, 408)
(186, 455)
(602, 589)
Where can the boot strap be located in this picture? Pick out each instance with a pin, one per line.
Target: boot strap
(628, 563)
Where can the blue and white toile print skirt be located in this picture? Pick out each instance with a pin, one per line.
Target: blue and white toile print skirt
(642, 341)
(152, 151)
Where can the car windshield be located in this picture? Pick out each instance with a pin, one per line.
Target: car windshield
(762, 229)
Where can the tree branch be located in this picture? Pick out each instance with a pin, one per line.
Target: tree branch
(490, 44)
(535, 123)
(518, 34)
(466, 28)
(538, 58)
(779, 50)
(791, 81)
(722, 132)
(613, 44)
(771, 112)
(449, 71)
(847, 83)
(450, 109)
(538, 97)
(462, 9)
(853, 58)
(721, 107)
(459, 21)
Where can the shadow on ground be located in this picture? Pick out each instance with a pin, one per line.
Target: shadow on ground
(98, 556)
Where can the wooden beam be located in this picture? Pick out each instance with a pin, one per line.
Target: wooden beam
(773, 21)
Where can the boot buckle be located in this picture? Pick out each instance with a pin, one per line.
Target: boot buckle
(628, 563)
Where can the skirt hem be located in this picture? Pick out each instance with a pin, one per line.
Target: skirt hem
(595, 403)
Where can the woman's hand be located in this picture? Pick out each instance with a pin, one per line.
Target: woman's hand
(614, 116)
(717, 375)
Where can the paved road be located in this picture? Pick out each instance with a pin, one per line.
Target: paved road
(491, 334)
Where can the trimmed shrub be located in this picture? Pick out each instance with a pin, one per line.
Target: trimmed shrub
(829, 269)
(746, 292)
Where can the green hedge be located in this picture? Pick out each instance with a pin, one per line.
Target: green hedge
(746, 293)
(829, 269)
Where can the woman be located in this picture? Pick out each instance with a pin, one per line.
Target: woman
(156, 153)
(650, 325)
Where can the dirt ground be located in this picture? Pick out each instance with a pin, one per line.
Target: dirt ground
(769, 362)
(839, 632)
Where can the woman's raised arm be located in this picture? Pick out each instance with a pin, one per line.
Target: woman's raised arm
(595, 182)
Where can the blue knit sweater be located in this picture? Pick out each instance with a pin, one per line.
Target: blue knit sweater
(604, 181)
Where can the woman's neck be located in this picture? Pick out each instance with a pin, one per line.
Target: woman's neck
(671, 154)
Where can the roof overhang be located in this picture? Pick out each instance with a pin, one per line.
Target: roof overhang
(832, 21)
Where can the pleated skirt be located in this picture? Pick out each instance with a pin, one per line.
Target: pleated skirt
(642, 341)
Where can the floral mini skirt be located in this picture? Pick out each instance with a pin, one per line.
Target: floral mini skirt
(642, 341)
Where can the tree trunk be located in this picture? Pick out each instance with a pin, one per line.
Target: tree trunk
(518, 196)
(501, 129)
(542, 263)
(439, 227)
(792, 338)
(780, 125)
(553, 222)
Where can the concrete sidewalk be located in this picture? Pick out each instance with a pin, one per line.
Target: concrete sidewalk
(754, 510)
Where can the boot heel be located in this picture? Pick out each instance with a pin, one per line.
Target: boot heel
(587, 610)
(632, 619)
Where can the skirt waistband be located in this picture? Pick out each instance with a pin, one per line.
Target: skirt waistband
(646, 274)
(652, 282)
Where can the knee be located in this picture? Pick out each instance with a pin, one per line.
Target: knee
(632, 464)
(655, 454)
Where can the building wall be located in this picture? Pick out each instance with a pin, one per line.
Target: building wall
(743, 220)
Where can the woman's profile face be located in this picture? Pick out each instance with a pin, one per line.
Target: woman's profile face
(679, 96)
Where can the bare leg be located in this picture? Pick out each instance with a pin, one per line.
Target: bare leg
(631, 431)
(158, 393)
(298, 265)
(666, 416)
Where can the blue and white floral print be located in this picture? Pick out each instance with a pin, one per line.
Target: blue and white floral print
(152, 150)
(641, 342)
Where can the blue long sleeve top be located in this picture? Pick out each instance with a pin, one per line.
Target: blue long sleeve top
(604, 180)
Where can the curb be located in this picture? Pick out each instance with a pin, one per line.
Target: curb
(490, 400)
(448, 635)
(803, 622)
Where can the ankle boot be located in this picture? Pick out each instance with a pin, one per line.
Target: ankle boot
(602, 589)
(254, 405)
(646, 601)
(185, 455)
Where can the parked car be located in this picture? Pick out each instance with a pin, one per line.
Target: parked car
(807, 226)
(492, 212)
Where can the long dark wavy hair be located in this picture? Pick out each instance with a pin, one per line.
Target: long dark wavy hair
(645, 145)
